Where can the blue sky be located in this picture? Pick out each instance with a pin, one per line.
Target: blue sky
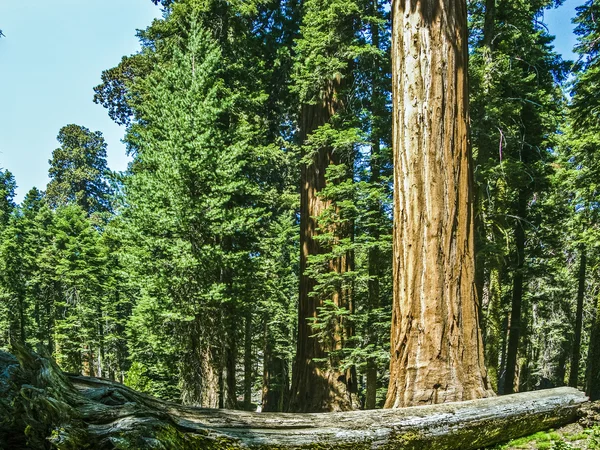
(53, 55)
(51, 58)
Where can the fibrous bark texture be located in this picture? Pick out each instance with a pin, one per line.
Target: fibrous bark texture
(436, 341)
(41, 408)
(319, 387)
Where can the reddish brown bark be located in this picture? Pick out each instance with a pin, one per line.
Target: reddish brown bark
(436, 344)
(319, 386)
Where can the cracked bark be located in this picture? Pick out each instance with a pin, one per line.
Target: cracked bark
(437, 353)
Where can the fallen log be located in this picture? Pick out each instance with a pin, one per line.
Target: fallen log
(41, 407)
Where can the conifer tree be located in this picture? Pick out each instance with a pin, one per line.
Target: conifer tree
(206, 169)
(516, 111)
(325, 54)
(584, 146)
(78, 170)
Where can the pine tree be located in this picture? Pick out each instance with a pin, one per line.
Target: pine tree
(78, 170)
(584, 145)
(7, 195)
(328, 136)
(206, 170)
(516, 112)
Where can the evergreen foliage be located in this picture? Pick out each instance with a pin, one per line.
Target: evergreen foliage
(181, 277)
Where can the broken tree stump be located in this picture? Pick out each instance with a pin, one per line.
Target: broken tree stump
(41, 407)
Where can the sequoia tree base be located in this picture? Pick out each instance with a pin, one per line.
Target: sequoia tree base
(41, 407)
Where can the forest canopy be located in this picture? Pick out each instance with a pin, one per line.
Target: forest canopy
(254, 254)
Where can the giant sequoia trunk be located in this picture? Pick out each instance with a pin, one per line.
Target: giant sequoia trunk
(436, 344)
(317, 383)
(41, 408)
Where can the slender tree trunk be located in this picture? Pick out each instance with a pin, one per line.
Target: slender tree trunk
(593, 360)
(482, 271)
(514, 331)
(248, 362)
(495, 333)
(317, 386)
(436, 345)
(373, 285)
(275, 378)
(374, 255)
(489, 25)
(576, 355)
(561, 368)
(22, 333)
(230, 368)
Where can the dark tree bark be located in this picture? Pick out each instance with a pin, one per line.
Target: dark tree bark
(489, 25)
(437, 351)
(374, 255)
(42, 408)
(576, 355)
(514, 330)
(593, 360)
(275, 389)
(248, 361)
(319, 387)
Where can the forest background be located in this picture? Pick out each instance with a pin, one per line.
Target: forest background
(181, 275)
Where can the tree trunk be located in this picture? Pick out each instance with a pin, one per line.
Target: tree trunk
(319, 386)
(436, 344)
(248, 362)
(593, 361)
(42, 408)
(275, 382)
(374, 255)
(495, 330)
(514, 330)
(199, 373)
(576, 355)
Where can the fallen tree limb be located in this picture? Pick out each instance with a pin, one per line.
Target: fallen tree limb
(40, 407)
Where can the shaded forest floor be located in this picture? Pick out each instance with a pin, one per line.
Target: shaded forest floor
(570, 437)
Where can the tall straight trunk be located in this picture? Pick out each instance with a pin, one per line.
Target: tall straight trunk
(199, 371)
(514, 331)
(230, 400)
(374, 268)
(576, 355)
(318, 386)
(275, 387)
(436, 345)
(248, 361)
(593, 360)
(495, 333)
(489, 24)
(374, 255)
(22, 333)
(482, 272)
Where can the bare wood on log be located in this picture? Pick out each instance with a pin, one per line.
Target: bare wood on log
(68, 411)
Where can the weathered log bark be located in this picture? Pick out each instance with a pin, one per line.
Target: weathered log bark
(40, 407)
